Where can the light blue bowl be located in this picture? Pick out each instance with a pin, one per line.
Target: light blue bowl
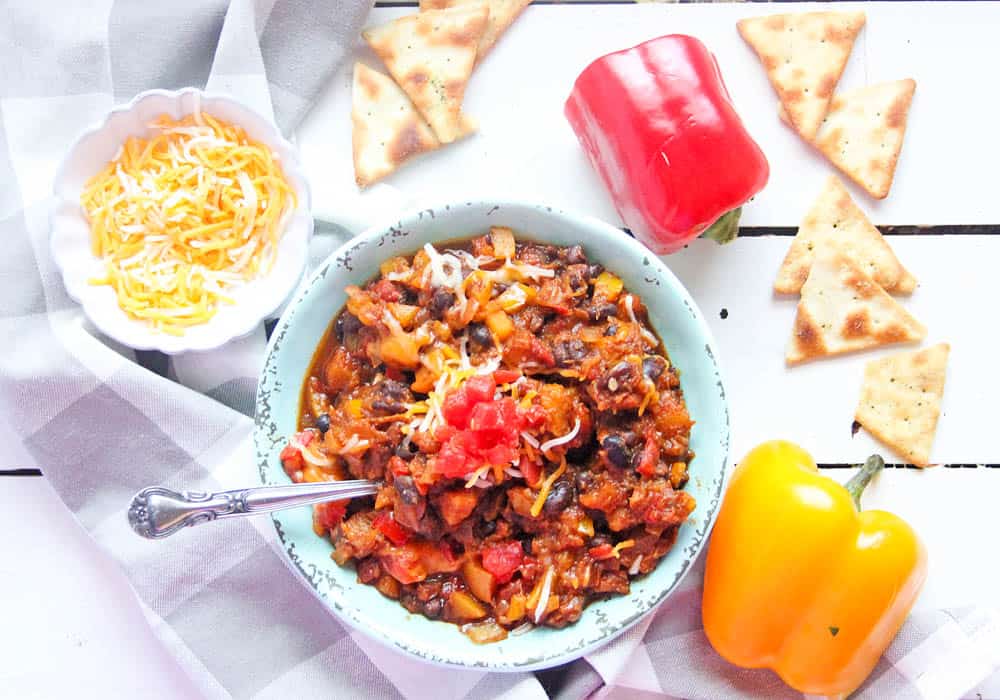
(675, 318)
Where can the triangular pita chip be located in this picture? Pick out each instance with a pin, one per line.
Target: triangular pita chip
(843, 310)
(835, 220)
(863, 133)
(804, 55)
(386, 129)
(502, 15)
(430, 55)
(901, 400)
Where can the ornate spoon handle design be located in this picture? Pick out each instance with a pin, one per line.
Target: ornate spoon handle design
(157, 512)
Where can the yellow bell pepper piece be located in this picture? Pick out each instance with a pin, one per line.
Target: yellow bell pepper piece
(799, 581)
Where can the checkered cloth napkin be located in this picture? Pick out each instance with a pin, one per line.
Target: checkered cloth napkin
(102, 425)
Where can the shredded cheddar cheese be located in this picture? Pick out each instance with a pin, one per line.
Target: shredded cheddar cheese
(185, 216)
(625, 544)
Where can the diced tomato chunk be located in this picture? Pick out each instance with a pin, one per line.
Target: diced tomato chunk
(329, 514)
(541, 352)
(387, 525)
(490, 437)
(650, 456)
(397, 466)
(291, 460)
(506, 376)
(502, 560)
(533, 416)
(386, 291)
(531, 469)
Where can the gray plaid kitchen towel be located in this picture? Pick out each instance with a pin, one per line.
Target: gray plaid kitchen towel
(101, 425)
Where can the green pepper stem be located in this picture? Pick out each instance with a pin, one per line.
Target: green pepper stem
(725, 228)
(872, 466)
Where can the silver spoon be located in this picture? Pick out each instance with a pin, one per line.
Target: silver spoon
(157, 512)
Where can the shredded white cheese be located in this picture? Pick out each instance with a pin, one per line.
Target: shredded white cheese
(543, 598)
(530, 439)
(473, 480)
(309, 456)
(568, 437)
(642, 329)
(634, 569)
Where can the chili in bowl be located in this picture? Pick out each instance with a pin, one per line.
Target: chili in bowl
(547, 472)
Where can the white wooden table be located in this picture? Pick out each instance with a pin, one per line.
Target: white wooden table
(61, 600)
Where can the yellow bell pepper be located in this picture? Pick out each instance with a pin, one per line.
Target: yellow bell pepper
(800, 581)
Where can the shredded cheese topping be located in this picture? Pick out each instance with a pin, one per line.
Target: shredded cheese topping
(543, 598)
(185, 216)
(568, 437)
(309, 456)
(642, 329)
(624, 544)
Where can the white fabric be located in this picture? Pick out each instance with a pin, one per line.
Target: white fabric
(104, 421)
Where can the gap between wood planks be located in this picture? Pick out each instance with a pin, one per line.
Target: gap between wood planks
(157, 362)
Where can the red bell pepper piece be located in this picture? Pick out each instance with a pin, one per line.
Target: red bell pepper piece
(387, 525)
(658, 125)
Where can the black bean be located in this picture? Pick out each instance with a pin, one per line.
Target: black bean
(594, 270)
(653, 366)
(600, 312)
(390, 388)
(574, 255)
(560, 496)
(347, 325)
(480, 335)
(406, 450)
(484, 528)
(567, 351)
(612, 329)
(441, 300)
(323, 422)
(390, 407)
(525, 540)
(616, 451)
(433, 608)
(620, 376)
(409, 296)
(406, 489)
(576, 277)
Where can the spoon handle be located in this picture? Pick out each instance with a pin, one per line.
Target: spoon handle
(157, 512)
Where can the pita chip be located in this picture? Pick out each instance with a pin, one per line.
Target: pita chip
(842, 310)
(863, 133)
(835, 220)
(430, 55)
(386, 129)
(804, 55)
(502, 15)
(901, 400)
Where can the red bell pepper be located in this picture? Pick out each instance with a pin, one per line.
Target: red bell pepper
(658, 125)
(387, 525)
